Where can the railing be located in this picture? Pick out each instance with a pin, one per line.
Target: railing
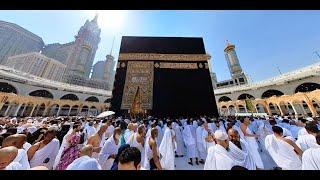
(311, 70)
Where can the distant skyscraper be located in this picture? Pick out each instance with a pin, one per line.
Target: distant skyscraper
(16, 40)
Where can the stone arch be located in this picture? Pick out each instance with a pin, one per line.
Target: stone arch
(307, 87)
(245, 96)
(53, 109)
(64, 110)
(93, 111)
(261, 108)
(84, 110)
(306, 108)
(270, 93)
(21, 109)
(286, 108)
(297, 105)
(224, 99)
(224, 110)
(39, 110)
(4, 109)
(41, 93)
(74, 110)
(274, 109)
(13, 108)
(71, 97)
(316, 105)
(232, 110)
(242, 109)
(92, 99)
(7, 88)
(28, 109)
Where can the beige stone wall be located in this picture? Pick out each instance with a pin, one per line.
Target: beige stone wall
(296, 104)
(16, 105)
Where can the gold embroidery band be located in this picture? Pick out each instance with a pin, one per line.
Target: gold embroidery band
(162, 57)
(179, 65)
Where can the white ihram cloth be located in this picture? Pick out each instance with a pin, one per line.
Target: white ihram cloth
(179, 139)
(109, 148)
(26, 146)
(134, 143)
(311, 159)
(109, 131)
(242, 157)
(253, 149)
(22, 158)
(160, 135)
(127, 134)
(207, 144)
(282, 153)
(189, 141)
(148, 132)
(201, 143)
(64, 145)
(295, 130)
(84, 163)
(307, 141)
(48, 151)
(14, 166)
(302, 131)
(90, 131)
(218, 159)
(166, 150)
(148, 155)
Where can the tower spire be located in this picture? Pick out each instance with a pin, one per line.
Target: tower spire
(112, 46)
(96, 17)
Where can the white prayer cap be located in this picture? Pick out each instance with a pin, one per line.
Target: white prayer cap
(31, 129)
(29, 121)
(220, 135)
(55, 127)
(309, 118)
(127, 121)
(2, 131)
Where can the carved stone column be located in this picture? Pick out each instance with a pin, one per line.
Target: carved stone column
(7, 110)
(58, 112)
(17, 110)
(32, 110)
(24, 108)
(279, 107)
(69, 111)
(268, 110)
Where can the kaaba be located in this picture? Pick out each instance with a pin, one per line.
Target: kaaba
(163, 77)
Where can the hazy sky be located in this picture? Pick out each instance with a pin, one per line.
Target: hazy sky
(263, 39)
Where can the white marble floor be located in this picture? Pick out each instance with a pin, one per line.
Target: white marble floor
(182, 163)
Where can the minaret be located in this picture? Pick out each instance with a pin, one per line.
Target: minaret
(232, 59)
(234, 65)
(109, 65)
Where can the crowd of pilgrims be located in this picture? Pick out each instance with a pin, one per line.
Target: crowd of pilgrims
(224, 143)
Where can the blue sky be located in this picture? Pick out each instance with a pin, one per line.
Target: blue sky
(263, 39)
